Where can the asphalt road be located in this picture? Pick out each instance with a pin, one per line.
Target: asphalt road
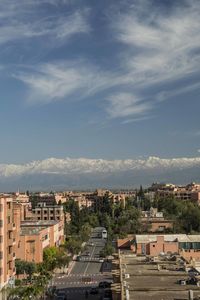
(87, 273)
(90, 264)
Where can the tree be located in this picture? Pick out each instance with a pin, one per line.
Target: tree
(85, 232)
(25, 267)
(73, 246)
(49, 256)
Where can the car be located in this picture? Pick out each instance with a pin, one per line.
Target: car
(87, 253)
(107, 295)
(101, 260)
(61, 298)
(90, 244)
(60, 295)
(104, 284)
(94, 291)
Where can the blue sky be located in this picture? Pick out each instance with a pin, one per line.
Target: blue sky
(99, 79)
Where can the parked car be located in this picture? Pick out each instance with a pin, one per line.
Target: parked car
(60, 295)
(94, 291)
(104, 284)
(107, 295)
(90, 244)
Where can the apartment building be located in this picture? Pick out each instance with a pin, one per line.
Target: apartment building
(190, 192)
(154, 221)
(45, 211)
(83, 201)
(35, 236)
(7, 240)
(188, 246)
(60, 198)
(183, 244)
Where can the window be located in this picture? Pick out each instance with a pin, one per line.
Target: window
(8, 218)
(45, 212)
(1, 207)
(45, 218)
(154, 246)
(1, 238)
(45, 237)
(1, 254)
(10, 234)
(10, 249)
(1, 223)
(38, 212)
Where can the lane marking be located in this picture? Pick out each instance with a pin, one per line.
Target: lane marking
(89, 262)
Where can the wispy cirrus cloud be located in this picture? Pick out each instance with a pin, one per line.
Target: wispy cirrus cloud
(159, 48)
(67, 80)
(125, 104)
(29, 20)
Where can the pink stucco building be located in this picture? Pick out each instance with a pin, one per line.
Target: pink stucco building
(36, 236)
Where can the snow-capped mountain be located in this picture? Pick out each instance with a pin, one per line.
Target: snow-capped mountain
(86, 173)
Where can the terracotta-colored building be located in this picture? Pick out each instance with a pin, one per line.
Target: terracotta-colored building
(7, 241)
(153, 244)
(156, 225)
(32, 243)
(36, 236)
(44, 211)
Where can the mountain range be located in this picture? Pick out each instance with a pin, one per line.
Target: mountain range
(83, 173)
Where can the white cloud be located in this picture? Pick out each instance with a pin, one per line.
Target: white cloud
(26, 21)
(124, 105)
(163, 49)
(60, 80)
(160, 49)
(162, 96)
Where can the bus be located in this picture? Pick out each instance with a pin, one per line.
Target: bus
(104, 234)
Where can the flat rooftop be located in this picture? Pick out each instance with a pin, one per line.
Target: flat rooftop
(31, 231)
(144, 281)
(184, 238)
(43, 223)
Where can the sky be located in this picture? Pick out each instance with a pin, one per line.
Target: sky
(99, 79)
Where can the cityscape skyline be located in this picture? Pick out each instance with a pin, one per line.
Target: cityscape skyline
(117, 80)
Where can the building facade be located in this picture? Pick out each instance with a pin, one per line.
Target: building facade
(7, 241)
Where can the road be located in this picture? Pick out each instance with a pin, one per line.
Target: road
(88, 265)
(86, 273)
